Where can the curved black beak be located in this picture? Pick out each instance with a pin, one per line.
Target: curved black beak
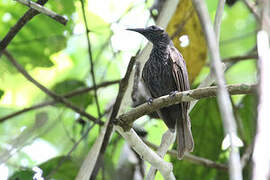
(139, 30)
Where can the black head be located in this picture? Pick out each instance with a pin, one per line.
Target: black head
(154, 34)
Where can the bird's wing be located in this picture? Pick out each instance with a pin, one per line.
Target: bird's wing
(180, 74)
(179, 70)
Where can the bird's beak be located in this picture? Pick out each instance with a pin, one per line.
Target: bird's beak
(139, 30)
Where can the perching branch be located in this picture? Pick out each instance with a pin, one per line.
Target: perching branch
(52, 102)
(125, 120)
(41, 9)
(47, 91)
(224, 102)
(18, 26)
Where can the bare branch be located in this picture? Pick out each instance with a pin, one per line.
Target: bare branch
(41, 9)
(167, 140)
(247, 154)
(193, 159)
(125, 120)
(252, 8)
(147, 154)
(223, 95)
(181, 26)
(217, 23)
(218, 18)
(122, 89)
(47, 91)
(89, 162)
(90, 58)
(240, 58)
(18, 26)
(261, 156)
(52, 102)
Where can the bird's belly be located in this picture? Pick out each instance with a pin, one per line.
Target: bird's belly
(159, 79)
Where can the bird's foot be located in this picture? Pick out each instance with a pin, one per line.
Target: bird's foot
(173, 93)
(150, 101)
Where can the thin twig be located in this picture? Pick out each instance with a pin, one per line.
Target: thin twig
(238, 37)
(47, 91)
(147, 154)
(224, 102)
(18, 26)
(167, 140)
(218, 18)
(89, 161)
(193, 159)
(122, 89)
(52, 102)
(261, 156)
(247, 154)
(252, 8)
(180, 27)
(240, 58)
(236, 59)
(90, 58)
(239, 123)
(60, 163)
(41, 9)
(125, 120)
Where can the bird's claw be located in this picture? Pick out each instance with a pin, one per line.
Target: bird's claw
(150, 101)
(173, 93)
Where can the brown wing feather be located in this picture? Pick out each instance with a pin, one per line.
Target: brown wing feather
(180, 72)
(184, 135)
(179, 69)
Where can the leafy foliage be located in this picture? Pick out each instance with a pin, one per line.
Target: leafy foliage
(194, 50)
(43, 33)
(208, 135)
(66, 86)
(67, 170)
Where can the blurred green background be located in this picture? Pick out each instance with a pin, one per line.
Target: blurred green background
(57, 57)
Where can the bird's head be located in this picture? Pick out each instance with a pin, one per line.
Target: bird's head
(154, 34)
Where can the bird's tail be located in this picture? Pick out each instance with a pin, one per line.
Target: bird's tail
(184, 137)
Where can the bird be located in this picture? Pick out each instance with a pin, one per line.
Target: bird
(165, 73)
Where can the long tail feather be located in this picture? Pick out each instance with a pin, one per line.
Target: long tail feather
(185, 141)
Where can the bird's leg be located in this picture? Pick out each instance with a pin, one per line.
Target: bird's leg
(150, 101)
(173, 93)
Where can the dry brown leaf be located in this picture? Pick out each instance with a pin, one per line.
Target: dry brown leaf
(186, 22)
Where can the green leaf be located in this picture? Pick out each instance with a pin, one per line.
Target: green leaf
(248, 113)
(208, 135)
(68, 170)
(82, 100)
(40, 37)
